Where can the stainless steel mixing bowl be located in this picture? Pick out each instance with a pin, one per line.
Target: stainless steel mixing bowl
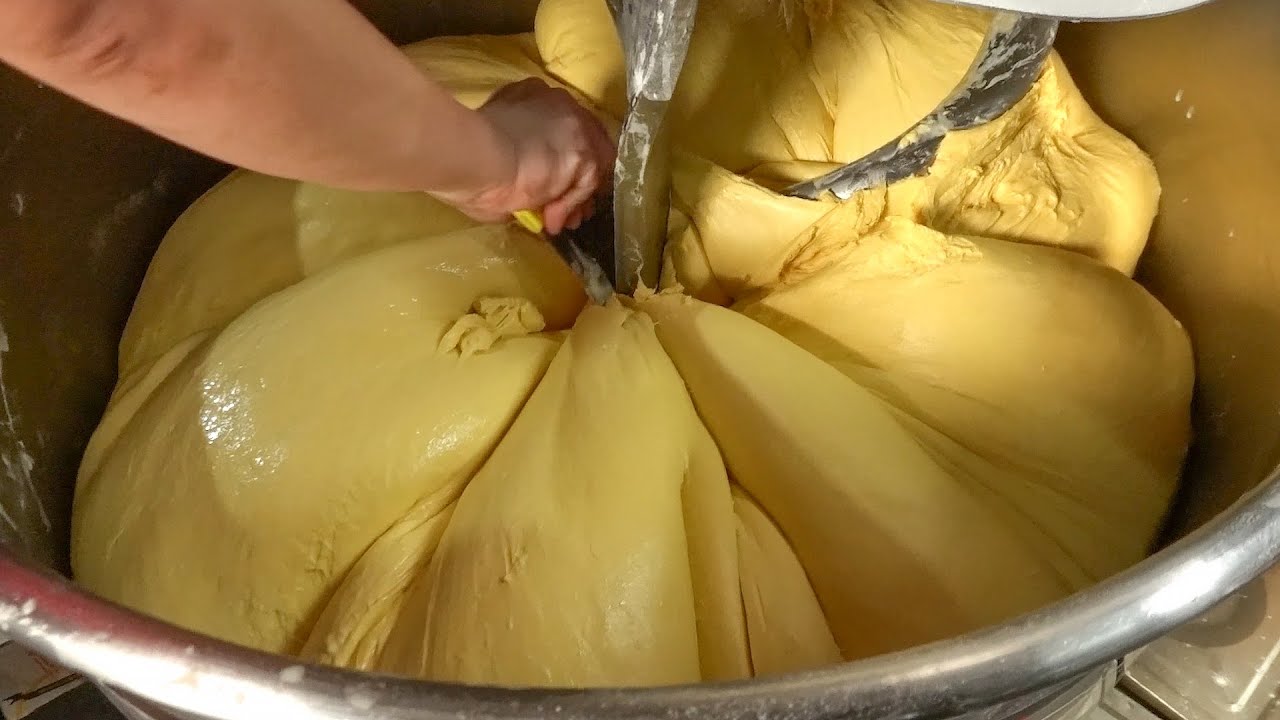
(84, 200)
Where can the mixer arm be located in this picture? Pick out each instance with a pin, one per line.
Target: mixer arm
(1088, 9)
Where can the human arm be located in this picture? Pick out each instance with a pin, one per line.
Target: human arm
(307, 89)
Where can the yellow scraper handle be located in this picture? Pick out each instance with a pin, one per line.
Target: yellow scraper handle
(530, 220)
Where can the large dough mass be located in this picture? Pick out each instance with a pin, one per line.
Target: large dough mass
(361, 429)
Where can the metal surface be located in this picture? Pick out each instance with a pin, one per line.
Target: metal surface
(1088, 9)
(655, 38)
(195, 674)
(83, 201)
(1224, 665)
(1010, 60)
(1068, 701)
(1116, 705)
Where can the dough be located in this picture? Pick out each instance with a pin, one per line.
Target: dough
(361, 429)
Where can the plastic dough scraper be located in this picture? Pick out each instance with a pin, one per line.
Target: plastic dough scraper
(582, 249)
(1014, 52)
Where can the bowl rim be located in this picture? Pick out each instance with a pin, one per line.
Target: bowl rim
(189, 672)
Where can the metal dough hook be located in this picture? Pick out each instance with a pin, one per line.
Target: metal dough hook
(1011, 59)
(655, 39)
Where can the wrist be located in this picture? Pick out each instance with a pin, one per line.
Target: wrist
(463, 154)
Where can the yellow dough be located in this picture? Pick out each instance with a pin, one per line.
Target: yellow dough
(361, 429)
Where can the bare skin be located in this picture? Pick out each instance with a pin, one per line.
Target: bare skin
(309, 90)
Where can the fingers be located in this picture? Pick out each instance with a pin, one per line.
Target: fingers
(603, 146)
(577, 203)
(554, 215)
(584, 167)
(527, 88)
(592, 169)
(564, 154)
(582, 214)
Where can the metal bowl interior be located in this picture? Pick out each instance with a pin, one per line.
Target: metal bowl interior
(84, 200)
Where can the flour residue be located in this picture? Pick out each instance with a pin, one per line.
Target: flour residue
(15, 461)
(124, 212)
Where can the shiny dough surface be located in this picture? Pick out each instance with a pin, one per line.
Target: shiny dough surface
(361, 429)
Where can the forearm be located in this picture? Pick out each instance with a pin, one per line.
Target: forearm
(304, 89)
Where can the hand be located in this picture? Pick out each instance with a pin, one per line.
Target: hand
(559, 156)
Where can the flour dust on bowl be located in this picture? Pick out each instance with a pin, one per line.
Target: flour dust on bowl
(90, 201)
